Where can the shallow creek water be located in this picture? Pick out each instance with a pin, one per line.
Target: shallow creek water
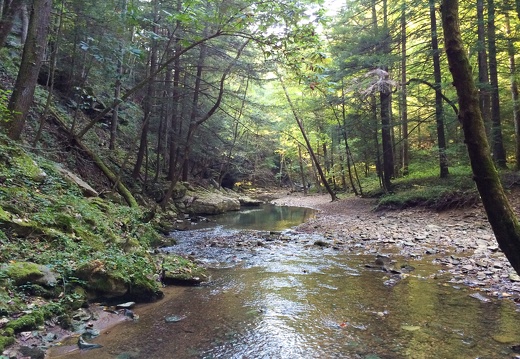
(292, 300)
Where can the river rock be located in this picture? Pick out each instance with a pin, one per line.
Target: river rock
(102, 281)
(174, 318)
(127, 305)
(208, 202)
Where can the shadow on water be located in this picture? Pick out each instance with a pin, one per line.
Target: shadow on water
(292, 300)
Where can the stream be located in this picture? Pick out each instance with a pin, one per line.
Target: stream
(279, 295)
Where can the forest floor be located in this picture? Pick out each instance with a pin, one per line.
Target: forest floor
(460, 241)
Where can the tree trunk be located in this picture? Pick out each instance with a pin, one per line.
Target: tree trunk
(32, 56)
(174, 134)
(439, 111)
(500, 214)
(148, 102)
(483, 71)
(24, 15)
(302, 171)
(404, 101)
(194, 111)
(386, 138)
(514, 88)
(307, 142)
(117, 88)
(499, 153)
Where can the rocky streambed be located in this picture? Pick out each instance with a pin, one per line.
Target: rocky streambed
(460, 241)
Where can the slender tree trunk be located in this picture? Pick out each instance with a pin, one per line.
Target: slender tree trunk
(52, 71)
(174, 133)
(499, 153)
(194, 112)
(33, 52)
(500, 214)
(148, 103)
(348, 153)
(514, 88)
(302, 171)
(307, 142)
(114, 122)
(439, 111)
(404, 93)
(483, 71)
(386, 138)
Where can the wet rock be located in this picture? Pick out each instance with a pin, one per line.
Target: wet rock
(321, 243)
(84, 345)
(480, 297)
(31, 352)
(127, 305)
(174, 318)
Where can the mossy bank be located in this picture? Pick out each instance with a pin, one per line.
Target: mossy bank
(63, 246)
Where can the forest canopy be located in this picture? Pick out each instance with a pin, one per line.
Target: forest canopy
(335, 96)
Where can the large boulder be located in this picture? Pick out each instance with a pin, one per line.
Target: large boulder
(27, 272)
(100, 281)
(208, 202)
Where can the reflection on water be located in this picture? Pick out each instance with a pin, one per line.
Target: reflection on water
(296, 301)
(310, 303)
(267, 217)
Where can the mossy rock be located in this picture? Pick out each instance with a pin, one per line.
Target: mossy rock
(23, 272)
(21, 227)
(145, 290)
(181, 271)
(5, 341)
(100, 281)
(9, 304)
(27, 322)
(29, 167)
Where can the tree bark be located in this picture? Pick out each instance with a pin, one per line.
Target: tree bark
(439, 111)
(514, 88)
(500, 214)
(33, 51)
(386, 138)
(307, 142)
(483, 71)
(405, 152)
(148, 102)
(499, 153)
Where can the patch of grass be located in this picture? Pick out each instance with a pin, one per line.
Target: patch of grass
(423, 187)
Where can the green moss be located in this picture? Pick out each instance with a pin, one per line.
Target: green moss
(179, 269)
(29, 168)
(8, 303)
(27, 322)
(6, 341)
(23, 272)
